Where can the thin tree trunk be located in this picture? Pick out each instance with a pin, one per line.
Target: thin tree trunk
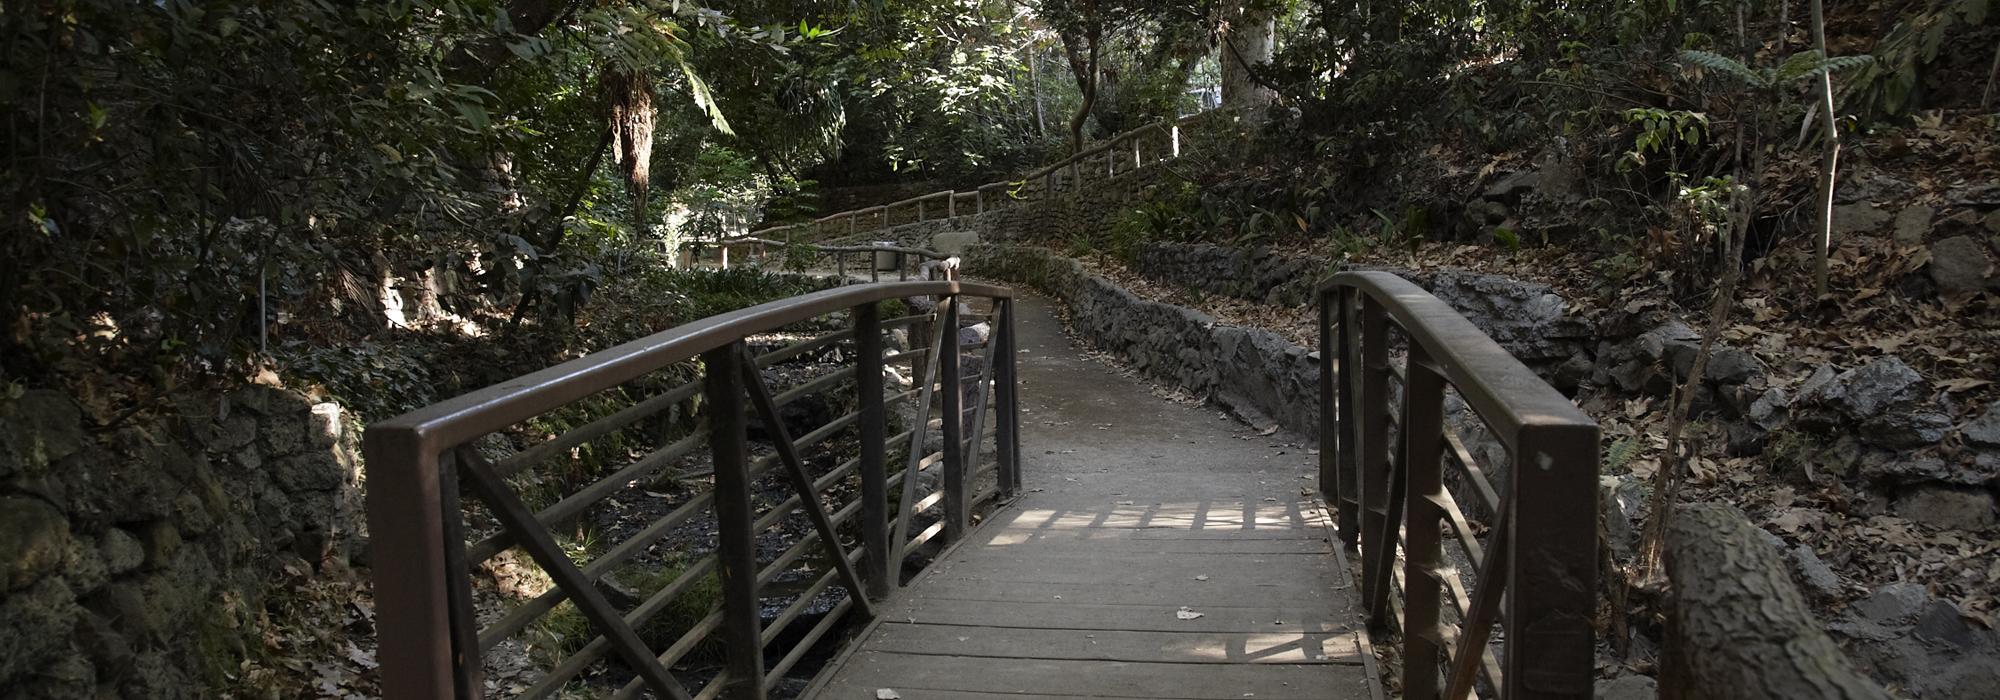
(1035, 78)
(1830, 163)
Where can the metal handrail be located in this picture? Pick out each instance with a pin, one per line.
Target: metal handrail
(1048, 175)
(1539, 563)
(431, 643)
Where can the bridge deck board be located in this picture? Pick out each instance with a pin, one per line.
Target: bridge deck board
(1137, 507)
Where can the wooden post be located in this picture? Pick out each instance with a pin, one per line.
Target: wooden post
(736, 553)
(874, 472)
(951, 204)
(920, 211)
(1007, 443)
(979, 201)
(724, 247)
(956, 493)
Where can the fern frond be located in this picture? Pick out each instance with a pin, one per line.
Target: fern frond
(1721, 64)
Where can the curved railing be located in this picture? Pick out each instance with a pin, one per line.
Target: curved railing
(435, 630)
(1538, 559)
(1152, 143)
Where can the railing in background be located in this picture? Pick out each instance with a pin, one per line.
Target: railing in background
(760, 250)
(424, 551)
(1147, 144)
(1539, 560)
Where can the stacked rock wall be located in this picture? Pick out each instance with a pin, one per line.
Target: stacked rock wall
(131, 553)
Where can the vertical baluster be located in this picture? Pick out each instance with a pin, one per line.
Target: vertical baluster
(1423, 402)
(1348, 375)
(1329, 483)
(1373, 451)
(874, 430)
(470, 672)
(1552, 574)
(956, 519)
(840, 266)
(737, 544)
(1007, 442)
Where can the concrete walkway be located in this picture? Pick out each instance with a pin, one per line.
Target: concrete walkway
(1136, 509)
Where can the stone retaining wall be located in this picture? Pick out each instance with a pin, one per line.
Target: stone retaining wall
(132, 554)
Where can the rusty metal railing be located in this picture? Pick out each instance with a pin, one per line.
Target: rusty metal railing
(1536, 568)
(429, 538)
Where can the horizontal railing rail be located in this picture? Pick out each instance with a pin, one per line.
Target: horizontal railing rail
(904, 258)
(1152, 143)
(444, 501)
(1535, 569)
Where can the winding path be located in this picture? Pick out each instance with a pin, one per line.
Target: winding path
(1137, 508)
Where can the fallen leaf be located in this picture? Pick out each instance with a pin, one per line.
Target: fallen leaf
(1186, 614)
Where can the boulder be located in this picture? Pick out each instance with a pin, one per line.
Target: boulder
(38, 429)
(1814, 574)
(1983, 431)
(34, 540)
(1866, 391)
(1894, 604)
(1960, 266)
(1946, 507)
(1858, 218)
(1913, 223)
(1903, 430)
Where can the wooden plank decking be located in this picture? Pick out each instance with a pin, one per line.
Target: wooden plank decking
(1136, 507)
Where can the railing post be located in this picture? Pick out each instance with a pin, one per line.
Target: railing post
(956, 519)
(874, 430)
(850, 224)
(1552, 575)
(736, 551)
(920, 211)
(1007, 441)
(979, 201)
(725, 255)
(409, 567)
(951, 205)
(1177, 140)
(1423, 411)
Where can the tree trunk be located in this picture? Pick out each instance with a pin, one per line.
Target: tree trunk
(1831, 161)
(1739, 628)
(1035, 79)
(1082, 52)
(1249, 39)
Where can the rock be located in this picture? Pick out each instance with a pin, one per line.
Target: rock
(318, 470)
(1512, 185)
(1727, 365)
(1624, 500)
(1946, 507)
(1903, 470)
(160, 541)
(1817, 578)
(1770, 409)
(234, 433)
(324, 427)
(1902, 430)
(121, 551)
(1745, 440)
(1913, 223)
(1983, 431)
(1894, 604)
(34, 625)
(1960, 266)
(1992, 222)
(1628, 687)
(1941, 622)
(1858, 218)
(34, 541)
(38, 429)
(1869, 390)
(1572, 373)
(283, 434)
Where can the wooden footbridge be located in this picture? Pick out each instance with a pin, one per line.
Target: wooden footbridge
(985, 512)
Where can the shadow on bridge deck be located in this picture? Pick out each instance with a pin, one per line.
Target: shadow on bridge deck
(1136, 507)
